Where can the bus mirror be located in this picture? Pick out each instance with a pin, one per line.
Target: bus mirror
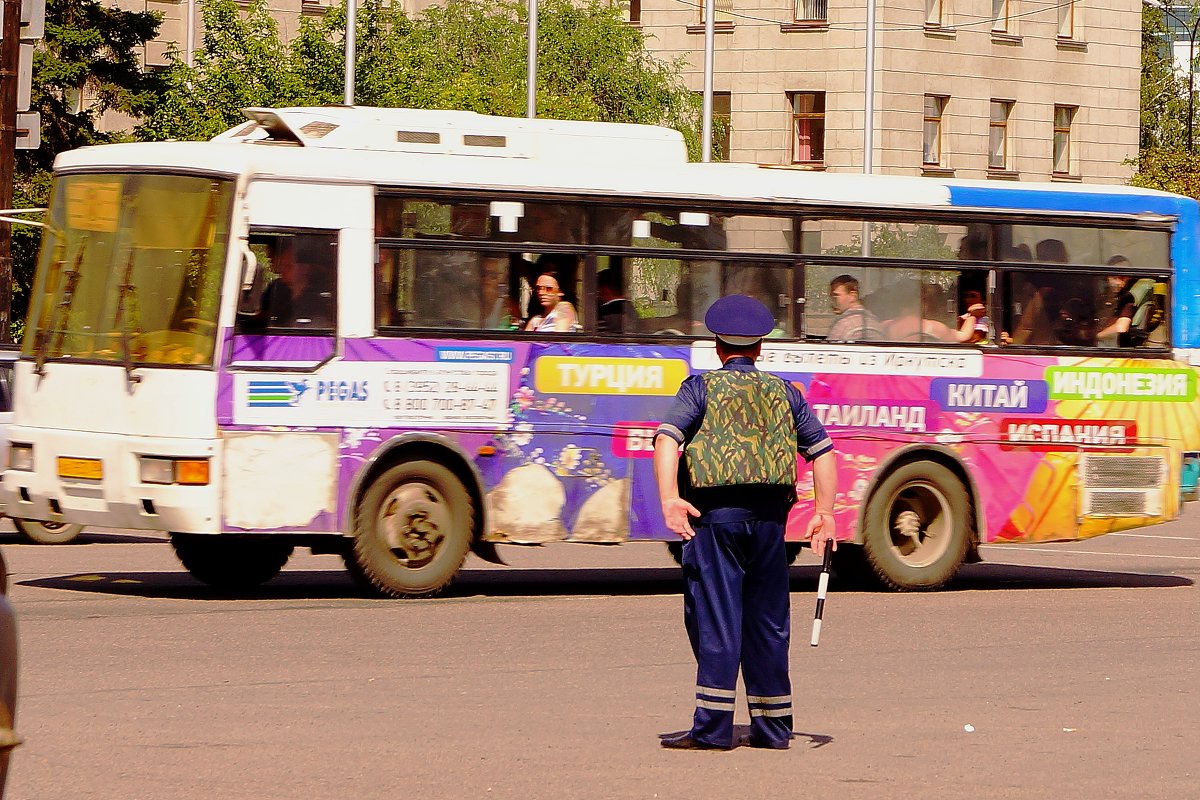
(249, 268)
(252, 287)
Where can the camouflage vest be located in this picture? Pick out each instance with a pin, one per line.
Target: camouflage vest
(748, 434)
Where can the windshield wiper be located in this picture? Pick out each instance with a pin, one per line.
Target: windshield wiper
(71, 278)
(127, 290)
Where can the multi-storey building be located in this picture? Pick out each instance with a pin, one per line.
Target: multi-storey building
(1003, 89)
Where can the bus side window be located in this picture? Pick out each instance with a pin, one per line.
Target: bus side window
(300, 282)
(770, 285)
(1084, 310)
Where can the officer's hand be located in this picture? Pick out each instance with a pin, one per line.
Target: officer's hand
(821, 531)
(676, 512)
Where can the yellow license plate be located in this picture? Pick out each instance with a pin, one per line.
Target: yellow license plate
(87, 468)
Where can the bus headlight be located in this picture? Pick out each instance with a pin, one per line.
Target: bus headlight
(185, 471)
(20, 456)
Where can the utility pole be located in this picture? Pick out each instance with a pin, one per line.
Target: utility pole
(10, 53)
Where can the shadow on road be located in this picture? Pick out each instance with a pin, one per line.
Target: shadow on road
(742, 731)
(991, 576)
(12, 538)
(515, 582)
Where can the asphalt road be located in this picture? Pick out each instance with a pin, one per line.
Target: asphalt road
(1074, 664)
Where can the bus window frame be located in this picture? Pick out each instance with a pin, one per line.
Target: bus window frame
(1003, 282)
(798, 261)
(291, 230)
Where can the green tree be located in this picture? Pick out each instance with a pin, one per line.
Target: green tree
(895, 240)
(88, 65)
(467, 54)
(1164, 106)
(241, 63)
(1165, 160)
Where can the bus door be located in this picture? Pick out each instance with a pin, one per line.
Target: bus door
(299, 298)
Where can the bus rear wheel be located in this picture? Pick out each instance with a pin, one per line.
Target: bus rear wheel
(40, 532)
(917, 527)
(413, 529)
(230, 562)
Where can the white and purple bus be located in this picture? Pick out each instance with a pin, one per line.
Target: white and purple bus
(310, 332)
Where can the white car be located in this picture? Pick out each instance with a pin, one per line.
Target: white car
(32, 529)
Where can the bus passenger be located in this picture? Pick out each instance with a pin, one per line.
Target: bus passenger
(557, 315)
(975, 327)
(854, 321)
(1052, 251)
(498, 304)
(301, 295)
(921, 325)
(616, 312)
(1116, 315)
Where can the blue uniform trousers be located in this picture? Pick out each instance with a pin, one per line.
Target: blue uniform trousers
(736, 610)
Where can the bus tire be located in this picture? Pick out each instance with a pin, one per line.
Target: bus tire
(230, 562)
(40, 532)
(917, 527)
(413, 529)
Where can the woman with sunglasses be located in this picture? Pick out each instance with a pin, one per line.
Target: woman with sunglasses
(557, 315)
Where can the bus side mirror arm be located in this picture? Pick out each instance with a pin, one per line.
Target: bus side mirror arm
(250, 267)
(248, 301)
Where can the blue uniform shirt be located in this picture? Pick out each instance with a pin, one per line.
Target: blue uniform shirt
(684, 418)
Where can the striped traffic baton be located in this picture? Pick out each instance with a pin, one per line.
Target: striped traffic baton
(822, 587)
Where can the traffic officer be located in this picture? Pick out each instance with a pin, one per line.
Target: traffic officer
(740, 430)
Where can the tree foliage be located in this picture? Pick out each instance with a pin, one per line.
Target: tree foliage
(1166, 160)
(1164, 106)
(1169, 170)
(466, 54)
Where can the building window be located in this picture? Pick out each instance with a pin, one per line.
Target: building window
(808, 127)
(1000, 15)
(933, 13)
(722, 117)
(812, 10)
(1066, 19)
(998, 134)
(1064, 117)
(931, 137)
(724, 12)
(631, 11)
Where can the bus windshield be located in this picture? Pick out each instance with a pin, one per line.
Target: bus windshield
(130, 269)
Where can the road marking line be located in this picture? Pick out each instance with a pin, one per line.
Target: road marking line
(1152, 536)
(1093, 552)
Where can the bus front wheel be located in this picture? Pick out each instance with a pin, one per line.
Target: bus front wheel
(230, 562)
(413, 529)
(40, 532)
(917, 527)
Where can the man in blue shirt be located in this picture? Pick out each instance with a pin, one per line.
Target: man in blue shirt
(740, 430)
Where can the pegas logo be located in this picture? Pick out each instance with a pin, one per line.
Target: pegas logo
(341, 391)
(1015, 396)
(631, 376)
(275, 394)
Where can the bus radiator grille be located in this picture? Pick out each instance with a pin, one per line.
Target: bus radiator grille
(1117, 486)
